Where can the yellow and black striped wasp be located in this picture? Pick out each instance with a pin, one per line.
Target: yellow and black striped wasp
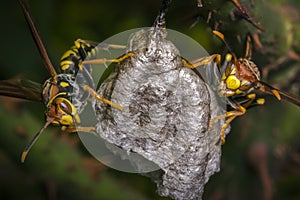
(238, 79)
(64, 94)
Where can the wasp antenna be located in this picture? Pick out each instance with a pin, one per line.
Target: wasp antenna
(160, 21)
(264, 87)
(221, 36)
(37, 38)
(34, 139)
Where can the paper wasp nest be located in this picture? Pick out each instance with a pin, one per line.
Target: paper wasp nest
(167, 109)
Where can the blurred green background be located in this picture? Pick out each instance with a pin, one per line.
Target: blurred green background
(261, 157)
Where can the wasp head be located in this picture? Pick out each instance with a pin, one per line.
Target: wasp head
(57, 98)
(240, 77)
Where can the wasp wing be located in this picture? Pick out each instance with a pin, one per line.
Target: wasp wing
(22, 89)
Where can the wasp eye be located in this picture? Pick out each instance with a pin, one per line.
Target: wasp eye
(64, 106)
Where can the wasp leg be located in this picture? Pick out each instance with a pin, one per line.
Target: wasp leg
(98, 97)
(231, 115)
(224, 127)
(106, 47)
(91, 47)
(241, 110)
(202, 61)
(72, 129)
(102, 46)
(104, 60)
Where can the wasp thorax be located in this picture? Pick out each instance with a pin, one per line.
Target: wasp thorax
(248, 70)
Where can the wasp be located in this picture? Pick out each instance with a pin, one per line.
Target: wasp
(239, 82)
(64, 94)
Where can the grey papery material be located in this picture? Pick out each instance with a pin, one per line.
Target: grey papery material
(166, 117)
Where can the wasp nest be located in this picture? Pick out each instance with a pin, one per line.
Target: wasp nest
(167, 109)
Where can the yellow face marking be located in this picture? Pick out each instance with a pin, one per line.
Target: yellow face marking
(64, 84)
(232, 82)
(66, 120)
(67, 111)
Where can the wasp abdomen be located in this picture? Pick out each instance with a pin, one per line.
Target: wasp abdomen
(70, 62)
